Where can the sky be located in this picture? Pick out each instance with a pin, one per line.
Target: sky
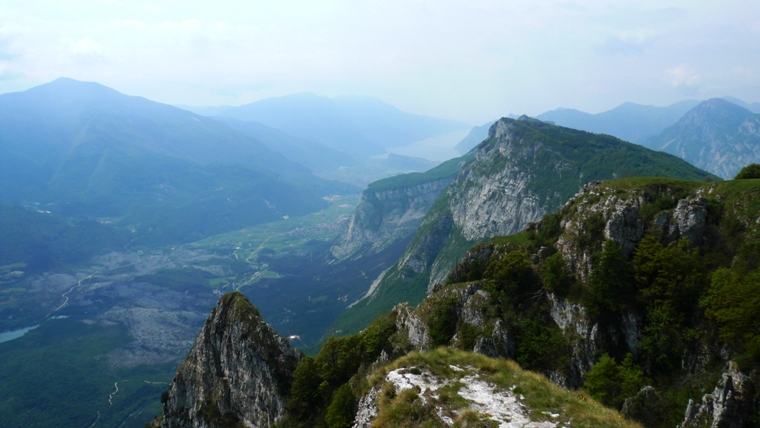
(472, 61)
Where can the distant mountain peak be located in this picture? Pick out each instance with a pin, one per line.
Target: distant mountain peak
(629, 121)
(66, 84)
(717, 135)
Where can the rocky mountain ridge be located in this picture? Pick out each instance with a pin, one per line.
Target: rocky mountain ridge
(390, 210)
(239, 372)
(525, 169)
(717, 136)
(589, 296)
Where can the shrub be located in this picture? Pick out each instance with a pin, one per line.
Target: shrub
(733, 302)
(443, 323)
(304, 393)
(556, 277)
(611, 284)
(540, 347)
(612, 383)
(340, 413)
(513, 272)
(749, 171)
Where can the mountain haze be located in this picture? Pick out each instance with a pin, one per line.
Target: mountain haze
(629, 121)
(85, 150)
(353, 124)
(717, 136)
(476, 135)
(754, 107)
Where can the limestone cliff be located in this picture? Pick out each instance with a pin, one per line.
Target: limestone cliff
(384, 217)
(238, 374)
(525, 169)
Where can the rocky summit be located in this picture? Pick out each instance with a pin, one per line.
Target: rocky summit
(238, 373)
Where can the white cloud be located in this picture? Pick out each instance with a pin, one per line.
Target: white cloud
(86, 46)
(683, 75)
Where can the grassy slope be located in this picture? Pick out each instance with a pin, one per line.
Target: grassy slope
(540, 395)
(449, 168)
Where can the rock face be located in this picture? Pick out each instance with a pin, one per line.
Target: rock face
(717, 135)
(689, 220)
(523, 170)
(239, 372)
(411, 331)
(620, 220)
(728, 406)
(574, 322)
(385, 217)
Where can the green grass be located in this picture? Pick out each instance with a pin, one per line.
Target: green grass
(540, 395)
(450, 168)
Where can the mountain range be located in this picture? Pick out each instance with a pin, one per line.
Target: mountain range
(83, 150)
(716, 135)
(629, 121)
(124, 219)
(357, 125)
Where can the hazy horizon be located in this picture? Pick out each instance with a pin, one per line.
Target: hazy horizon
(471, 63)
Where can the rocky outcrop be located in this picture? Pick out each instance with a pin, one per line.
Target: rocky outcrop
(239, 372)
(385, 217)
(583, 335)
(688, 220)
(622, 222)
(493, 197)
(367, 409)
(728, 406)
(411, 331)
(499, 345)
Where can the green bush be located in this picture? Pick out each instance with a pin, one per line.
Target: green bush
(540, 347)
(733, 302)
(340, 413)
(749, 171)
(612, 383)
(443, 323)
(304, 395)
(590, 238)
(611, 286)
(672, 275)
(556, 276)
(513, 272)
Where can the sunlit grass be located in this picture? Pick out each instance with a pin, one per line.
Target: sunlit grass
(540, 394)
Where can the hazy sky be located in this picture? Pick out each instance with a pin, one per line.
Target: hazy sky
(467, 60)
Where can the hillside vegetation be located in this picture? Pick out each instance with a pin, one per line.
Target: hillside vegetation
(640, 282)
